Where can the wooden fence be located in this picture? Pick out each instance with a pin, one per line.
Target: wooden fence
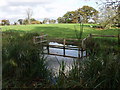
(95, 35)
(44, 40)
(115, 36)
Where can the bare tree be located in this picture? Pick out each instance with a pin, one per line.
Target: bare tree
(29, 13)
(115, 5)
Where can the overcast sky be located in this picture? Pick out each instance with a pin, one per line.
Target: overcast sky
(16, 9)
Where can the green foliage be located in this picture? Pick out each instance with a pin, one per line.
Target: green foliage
(5, 22)
(23, 63)
(97, 72)
(100, 70)
(86, 12)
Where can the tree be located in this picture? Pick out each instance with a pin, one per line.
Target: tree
(52, 21)
(32, 19)
(114, 5)
(5, 22)
(107, 17)
(46, 20)
(60, 20)
(86, 12)
(69, 16)
(20, 21)
(29, 14)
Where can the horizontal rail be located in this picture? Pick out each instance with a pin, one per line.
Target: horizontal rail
(40, 42)
(65, 55)
(61, 39)
(64, 47)
(41, 36)
(104, 35)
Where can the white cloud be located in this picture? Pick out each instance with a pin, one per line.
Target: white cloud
(3, 3)
(15, 9)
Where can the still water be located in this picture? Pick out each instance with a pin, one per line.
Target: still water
(54, 62)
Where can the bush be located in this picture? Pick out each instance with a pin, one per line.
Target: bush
(23, 63)
(36, 22)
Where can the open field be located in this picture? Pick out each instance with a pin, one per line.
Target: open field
(61, 30)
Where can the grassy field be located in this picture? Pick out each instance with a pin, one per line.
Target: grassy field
(60, 30)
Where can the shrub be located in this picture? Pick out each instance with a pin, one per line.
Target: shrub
(36, 22)
(23, 63)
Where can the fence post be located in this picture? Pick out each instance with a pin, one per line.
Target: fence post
(48, 48)
(48, 51)
(118, 39)
(81, 52)
(90, 35)
(64, 41)
(78, 52)
(34, 40)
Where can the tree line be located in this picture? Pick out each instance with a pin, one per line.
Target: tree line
(86, 13)
(26, 21)
(108, 15)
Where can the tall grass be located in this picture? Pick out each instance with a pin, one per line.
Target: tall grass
(95, 71)
(23, 63)
(100, 70)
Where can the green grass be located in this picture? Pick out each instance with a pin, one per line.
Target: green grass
(60, 30)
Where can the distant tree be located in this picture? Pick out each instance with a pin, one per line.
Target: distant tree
(86, 12)
(5, 22)
(69, 16)
(60, 20)
(20, 21)
(46, 20)
(107, 17)
(25, 21)
(29, 14)
(114, 5)
(15, 23)
(33, 19)
(52, 21)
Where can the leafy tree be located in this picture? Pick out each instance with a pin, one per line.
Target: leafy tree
(60, 20)
(5, 22)
(69, 16)
(52, 21)
(46, 20)
(32, 19)
(86, 12)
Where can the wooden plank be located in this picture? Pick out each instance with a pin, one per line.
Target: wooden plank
(41, 42)
(95, 35)
(48, 49)
(62, 55)
(41, 36)
(65, 55)
(64, 47)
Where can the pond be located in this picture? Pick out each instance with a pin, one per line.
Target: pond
(54, 62)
